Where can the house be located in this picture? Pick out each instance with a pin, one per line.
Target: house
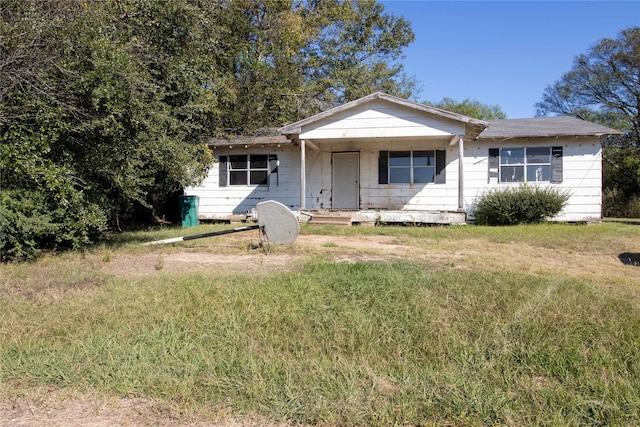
(386, 159)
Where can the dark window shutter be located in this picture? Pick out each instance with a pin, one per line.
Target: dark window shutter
(222, 168)
(494, 163)
(273, 169)
(383, 168)
(441, 161)
(556, 165)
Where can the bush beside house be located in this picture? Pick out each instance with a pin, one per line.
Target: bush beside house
(520, 205)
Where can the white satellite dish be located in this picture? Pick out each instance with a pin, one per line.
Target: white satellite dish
(280, 225)
(277, 222)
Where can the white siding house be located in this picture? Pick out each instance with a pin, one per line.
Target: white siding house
(383, 158)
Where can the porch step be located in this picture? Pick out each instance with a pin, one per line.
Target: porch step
(330, 220)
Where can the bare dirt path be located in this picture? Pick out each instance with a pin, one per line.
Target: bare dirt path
(56, 409)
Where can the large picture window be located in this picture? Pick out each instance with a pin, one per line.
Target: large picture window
(525, 164)
(247, 169)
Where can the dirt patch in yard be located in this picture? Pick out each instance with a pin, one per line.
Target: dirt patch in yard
(51, 408)
(163, 263)
(248, 257)
(243, 255)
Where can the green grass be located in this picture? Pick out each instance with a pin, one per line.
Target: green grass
(607, 238)
(386, 343)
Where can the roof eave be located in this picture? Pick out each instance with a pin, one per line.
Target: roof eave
(248, 141)
(550, 135)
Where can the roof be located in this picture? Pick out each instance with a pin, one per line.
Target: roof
(544, 127)
(262, 137)
(474, 126)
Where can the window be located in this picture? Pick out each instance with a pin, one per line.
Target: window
(538, 164)
(411, 167)
(511, 164)
(532, 162)
(526, 164)
(247, 169)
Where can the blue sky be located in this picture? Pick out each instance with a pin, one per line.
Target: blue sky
(503, 52)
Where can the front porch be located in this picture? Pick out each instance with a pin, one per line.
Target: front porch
(382, 216)
(387, 159)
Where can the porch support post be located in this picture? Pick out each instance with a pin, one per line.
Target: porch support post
(303, 173)
(461, 173)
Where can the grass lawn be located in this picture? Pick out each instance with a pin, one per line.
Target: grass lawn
(469, 326)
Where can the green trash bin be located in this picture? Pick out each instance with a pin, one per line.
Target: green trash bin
(188, 210)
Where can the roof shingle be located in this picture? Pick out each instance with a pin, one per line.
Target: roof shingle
(544, 127)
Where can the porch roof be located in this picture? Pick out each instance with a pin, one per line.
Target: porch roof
(473, 127)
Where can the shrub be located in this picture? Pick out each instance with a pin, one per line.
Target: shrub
(520, 205)
(32, 222)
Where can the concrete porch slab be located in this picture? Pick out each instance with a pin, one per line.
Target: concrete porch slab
(384, 217)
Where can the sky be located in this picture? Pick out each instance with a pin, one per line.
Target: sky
(503, 53)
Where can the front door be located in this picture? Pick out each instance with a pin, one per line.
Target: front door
(346, 180)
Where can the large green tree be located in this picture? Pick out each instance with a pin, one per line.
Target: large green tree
(603, 86)
(354, 50)
(42, 201)
(140, 109)
(100, 117)
(105, 105)
(282, 60)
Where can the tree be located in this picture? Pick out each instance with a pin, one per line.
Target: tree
(105, 106)
(284, 60)
(97, 123)
(255, 63)
(140, 109)
(472, 108)
(42, 201)
(353, 51)
(603, 86)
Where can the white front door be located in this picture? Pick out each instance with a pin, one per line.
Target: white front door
(346, 180)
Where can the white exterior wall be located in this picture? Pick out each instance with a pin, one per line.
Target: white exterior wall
(364, 129)
(380, 126)
(217, 202)
(581, 173)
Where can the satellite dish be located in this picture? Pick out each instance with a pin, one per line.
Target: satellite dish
(276, 221)
(280, 225)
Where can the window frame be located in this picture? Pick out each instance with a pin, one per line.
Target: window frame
(247, 166)
(523, 164)
(412, 166)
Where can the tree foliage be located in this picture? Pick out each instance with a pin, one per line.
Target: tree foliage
(285, 60)
(352, 51)
(603, 86)
(105, 106)
(472, 108)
